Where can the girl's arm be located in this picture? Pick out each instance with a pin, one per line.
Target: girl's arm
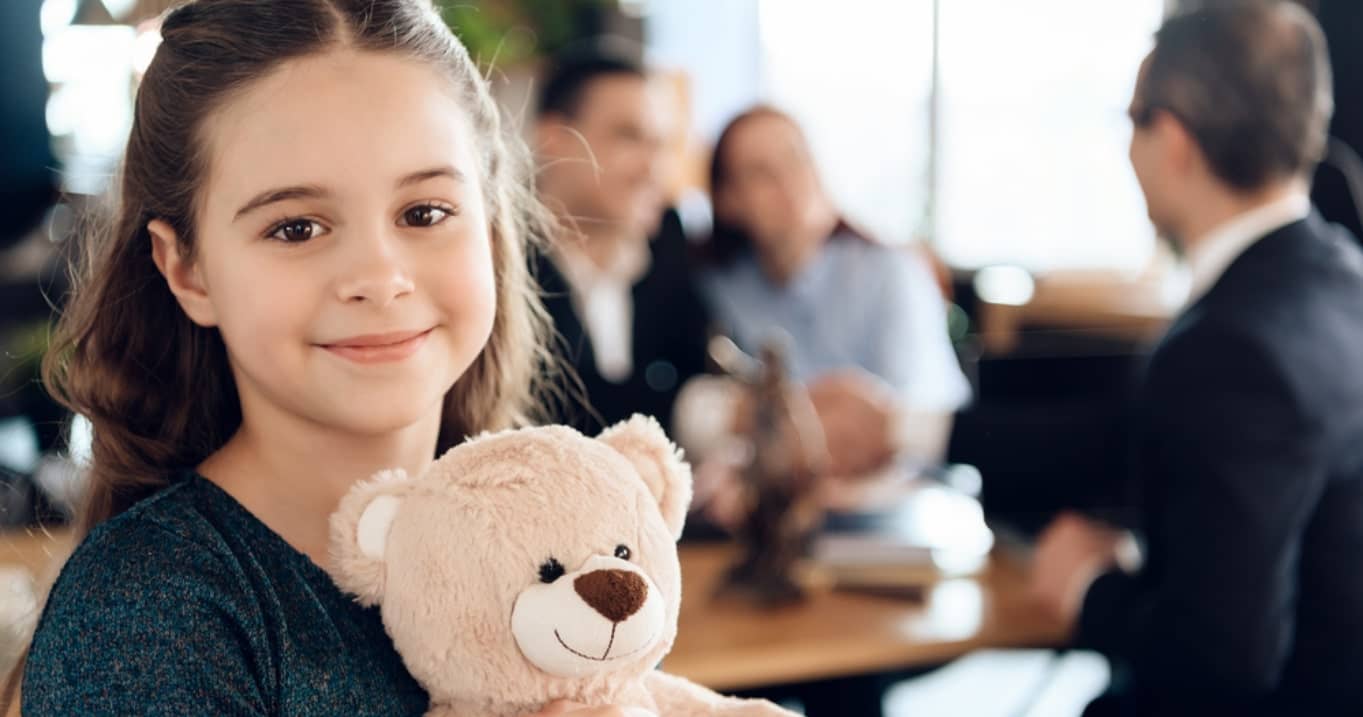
(133, 630)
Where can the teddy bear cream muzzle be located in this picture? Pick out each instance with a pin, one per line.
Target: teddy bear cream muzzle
(590, 620)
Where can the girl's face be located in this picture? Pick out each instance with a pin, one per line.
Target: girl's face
(343, 244)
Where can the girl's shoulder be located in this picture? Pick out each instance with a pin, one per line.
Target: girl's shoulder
(172, 547)
(155, 587)
(187, 604)
(182, 527)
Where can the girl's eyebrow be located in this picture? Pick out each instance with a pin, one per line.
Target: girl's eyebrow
(270, 196)
(444, 170)
(312, 191)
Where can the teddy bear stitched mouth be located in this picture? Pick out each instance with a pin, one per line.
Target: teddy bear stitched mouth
(607, 657)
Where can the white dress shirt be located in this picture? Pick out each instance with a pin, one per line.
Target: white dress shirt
(604, 300)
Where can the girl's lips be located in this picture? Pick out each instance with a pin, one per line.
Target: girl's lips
(379, 348)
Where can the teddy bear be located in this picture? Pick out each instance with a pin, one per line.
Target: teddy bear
(531, 565)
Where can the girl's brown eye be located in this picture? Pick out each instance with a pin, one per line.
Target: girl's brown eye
(294, 231)
(425, 215)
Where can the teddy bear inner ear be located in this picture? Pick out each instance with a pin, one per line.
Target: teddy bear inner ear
(659, 464)
(376, 522)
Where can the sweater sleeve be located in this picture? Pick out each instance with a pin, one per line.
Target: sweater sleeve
(132, 627)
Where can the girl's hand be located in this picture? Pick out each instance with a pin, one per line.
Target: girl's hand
(564, 708)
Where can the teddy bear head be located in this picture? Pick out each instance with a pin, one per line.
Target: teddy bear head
(526, 565)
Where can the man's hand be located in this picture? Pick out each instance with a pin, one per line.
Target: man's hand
(1071, 553)
(858, 413)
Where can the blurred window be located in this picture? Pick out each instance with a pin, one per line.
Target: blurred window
(1031, 133)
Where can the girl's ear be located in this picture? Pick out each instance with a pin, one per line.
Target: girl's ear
(182, 276)
(359, 534)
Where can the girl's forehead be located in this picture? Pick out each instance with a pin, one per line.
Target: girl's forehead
(343, 118)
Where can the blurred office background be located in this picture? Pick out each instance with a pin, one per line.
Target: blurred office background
(989, 135)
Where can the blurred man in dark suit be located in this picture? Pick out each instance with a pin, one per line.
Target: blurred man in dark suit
(631, 319)
(1250, 438)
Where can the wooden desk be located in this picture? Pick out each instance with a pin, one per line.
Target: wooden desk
(38, 552)
(1104, 304)
(36, 549)
(728, 646)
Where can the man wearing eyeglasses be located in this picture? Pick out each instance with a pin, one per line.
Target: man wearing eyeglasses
(1249, 448)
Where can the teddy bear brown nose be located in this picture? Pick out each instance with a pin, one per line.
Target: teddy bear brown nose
(616, 594)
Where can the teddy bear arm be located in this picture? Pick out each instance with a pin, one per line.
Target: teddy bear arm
(679, 697)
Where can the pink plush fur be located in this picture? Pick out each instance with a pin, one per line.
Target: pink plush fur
(458, 559)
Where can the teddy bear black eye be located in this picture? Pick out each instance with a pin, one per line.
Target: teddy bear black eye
(551, 570)
(622, 552)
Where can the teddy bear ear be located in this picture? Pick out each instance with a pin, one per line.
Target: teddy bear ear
(359, 534)
(658, 461)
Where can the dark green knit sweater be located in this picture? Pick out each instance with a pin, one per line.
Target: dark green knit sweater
(188, 605)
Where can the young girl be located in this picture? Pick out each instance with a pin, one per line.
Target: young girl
(317, 271)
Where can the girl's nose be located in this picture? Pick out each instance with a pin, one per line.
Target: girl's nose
(376, 276)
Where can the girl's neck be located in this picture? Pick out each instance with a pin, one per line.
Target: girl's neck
(292, 474)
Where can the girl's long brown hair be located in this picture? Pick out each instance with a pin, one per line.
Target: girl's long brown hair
(156, 387)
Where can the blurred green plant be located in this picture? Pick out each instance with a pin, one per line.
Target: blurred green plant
(21, 353)
(508, 33)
